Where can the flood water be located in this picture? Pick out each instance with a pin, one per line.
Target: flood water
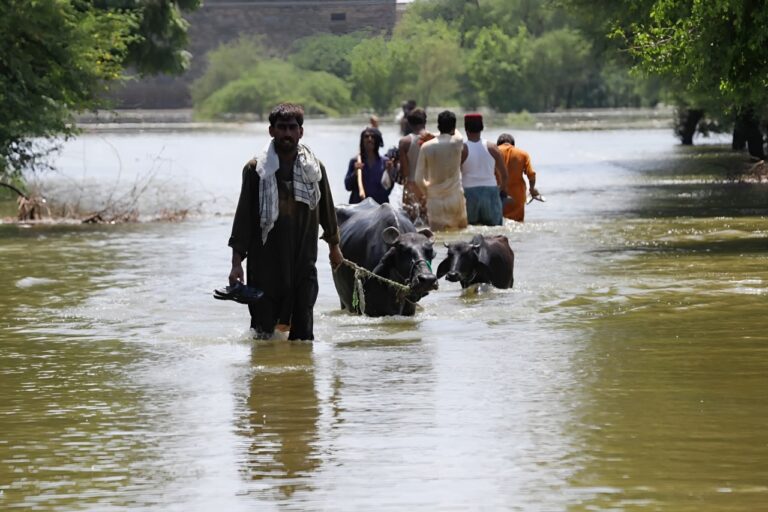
(626, 370)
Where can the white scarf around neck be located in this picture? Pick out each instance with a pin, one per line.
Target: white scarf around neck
(306, 183)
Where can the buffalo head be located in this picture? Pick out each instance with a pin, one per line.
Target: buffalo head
(409, 260)
(461, 263)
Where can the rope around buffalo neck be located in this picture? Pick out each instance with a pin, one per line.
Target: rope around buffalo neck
(358, 294)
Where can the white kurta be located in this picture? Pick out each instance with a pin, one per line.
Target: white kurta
(438, 175)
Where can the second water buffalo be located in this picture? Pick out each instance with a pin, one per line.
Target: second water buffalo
(485, 259)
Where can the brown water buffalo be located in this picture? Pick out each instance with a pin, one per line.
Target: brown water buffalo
(486, 259)
(382, 239)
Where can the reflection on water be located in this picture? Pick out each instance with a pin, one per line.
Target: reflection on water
(624, 371)
(279, 419)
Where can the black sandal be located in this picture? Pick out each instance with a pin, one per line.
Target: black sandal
(238, 292)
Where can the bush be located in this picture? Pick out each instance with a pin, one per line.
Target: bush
(326, 52)
(272, 82)
(226, 64)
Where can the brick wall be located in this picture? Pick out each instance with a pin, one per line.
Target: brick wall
(281, 22)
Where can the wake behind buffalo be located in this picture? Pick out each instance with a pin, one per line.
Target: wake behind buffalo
(388, 262)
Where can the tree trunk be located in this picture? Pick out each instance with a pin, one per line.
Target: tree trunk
(687, 121)
(747, 133)
(739, 141)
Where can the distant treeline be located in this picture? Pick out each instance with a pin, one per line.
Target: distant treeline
(510, 56)
(708, 59)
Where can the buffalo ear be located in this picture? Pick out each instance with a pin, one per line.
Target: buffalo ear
(390, 235)
(443, 267)
(427, 233)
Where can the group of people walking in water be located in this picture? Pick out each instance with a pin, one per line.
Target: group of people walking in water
(285, 198)
(449, 181)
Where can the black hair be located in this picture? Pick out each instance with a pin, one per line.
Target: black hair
(446, 121)
(377, 139)
(417, 117)
(286, 111)
(473, 124)
(505, 138)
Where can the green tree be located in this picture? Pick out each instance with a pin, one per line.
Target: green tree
(717, 49)
(713, 51)
(57, 57)
(228, 63)
(159, 38)
(379, 72)
(468, 16)
(618, 86)
(495, 66)
(435, 62)
(53, 58)
(558, 67)
(326, 52)
(500, 69)
(272, 81)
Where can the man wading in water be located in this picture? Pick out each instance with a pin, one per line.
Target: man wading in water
(285, 197)
(408, 148)
(438, 175)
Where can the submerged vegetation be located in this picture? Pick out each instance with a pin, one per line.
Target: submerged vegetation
(146, 198)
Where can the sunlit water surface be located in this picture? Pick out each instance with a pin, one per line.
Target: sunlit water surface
(626, 370)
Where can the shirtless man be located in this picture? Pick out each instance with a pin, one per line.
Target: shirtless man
(408, 149)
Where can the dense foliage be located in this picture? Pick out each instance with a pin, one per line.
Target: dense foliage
(226, 64)
(510, 55)
(708, 57)
(242, 78)
(258, 89)
(57, 57)
(714, 55)
(326, 52)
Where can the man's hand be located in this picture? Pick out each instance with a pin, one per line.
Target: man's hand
(534, 192)
(335, 257)
(412, 188)
(236, 274)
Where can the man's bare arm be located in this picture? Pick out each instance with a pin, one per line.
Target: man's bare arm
(493, 149)
(402, 148)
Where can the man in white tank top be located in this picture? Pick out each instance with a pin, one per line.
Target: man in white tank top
(480, 162)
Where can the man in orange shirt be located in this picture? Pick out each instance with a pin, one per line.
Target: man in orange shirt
(518, 163)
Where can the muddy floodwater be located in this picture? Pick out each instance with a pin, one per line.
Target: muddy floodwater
(626, 370)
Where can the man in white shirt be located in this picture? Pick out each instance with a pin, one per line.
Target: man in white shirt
(480, 162)
(438, 175)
